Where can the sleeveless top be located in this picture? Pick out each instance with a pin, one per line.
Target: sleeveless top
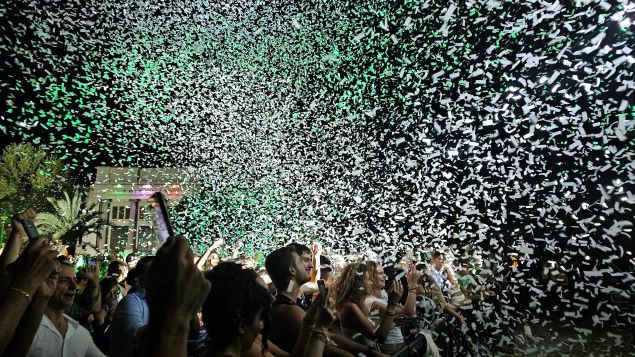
(358, 336)
(394, 335)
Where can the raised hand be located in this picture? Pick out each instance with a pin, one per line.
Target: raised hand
(325, 318)
(35, 265)
(175, 287)
(16, 222)
(47, 288)
(92, 273)
(413, 275)
(395, 292)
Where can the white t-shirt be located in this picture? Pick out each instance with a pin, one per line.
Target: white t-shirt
(394, 335)
(49, 342)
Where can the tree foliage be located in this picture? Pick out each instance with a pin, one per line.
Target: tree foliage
(27, 176)
(71, 221)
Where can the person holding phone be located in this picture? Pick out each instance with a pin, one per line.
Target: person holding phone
(27, 284)
(12, 245)
(288, 273)
(351, 289)
(377, 302)
(57, 334)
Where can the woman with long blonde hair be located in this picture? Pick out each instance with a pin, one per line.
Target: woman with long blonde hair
(377, 302)
(351, 289)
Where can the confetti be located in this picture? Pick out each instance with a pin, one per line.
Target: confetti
(494, 124)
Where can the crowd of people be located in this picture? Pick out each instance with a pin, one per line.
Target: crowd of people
(302, 303)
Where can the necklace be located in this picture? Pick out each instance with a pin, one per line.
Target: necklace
(284, 300)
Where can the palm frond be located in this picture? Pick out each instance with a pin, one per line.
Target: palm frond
(48, 223)
(72, 219)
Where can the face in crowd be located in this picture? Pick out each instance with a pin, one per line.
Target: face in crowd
(119, 270)
(437, 262)
(66, 289)
(112, 295)
(306, 263)
(379, 280)
(237, 307)
(302, 267)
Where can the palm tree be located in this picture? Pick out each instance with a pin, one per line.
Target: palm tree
(72, 220)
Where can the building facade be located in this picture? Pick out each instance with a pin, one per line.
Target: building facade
(122, 197)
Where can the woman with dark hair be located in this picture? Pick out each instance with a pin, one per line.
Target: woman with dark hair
(109, 295)
(351, 290)
(109, 290)
(235, 311)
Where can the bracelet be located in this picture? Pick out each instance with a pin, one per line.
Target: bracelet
(21, 292)
(390, 313)
(320, 335)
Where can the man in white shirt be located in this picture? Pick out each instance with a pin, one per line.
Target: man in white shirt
(58, 334)
(437, 270)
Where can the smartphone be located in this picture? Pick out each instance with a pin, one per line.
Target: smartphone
(91, 261)
(29, 228)
(394, 278)
(161, 218)
(324, 293)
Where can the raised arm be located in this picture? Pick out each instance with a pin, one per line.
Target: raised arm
(409, 307)
(451, 275)
(12, 247)
(362, 324)
(201, 261)
(91, 294)
(30, 322)
(31, 269)
(175, 289)
(315, 271)
(318, 340)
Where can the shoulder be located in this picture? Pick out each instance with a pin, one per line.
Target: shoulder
(133, 299)
(137, 295)
(351, 308)
(288, 311)
(44, 331)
